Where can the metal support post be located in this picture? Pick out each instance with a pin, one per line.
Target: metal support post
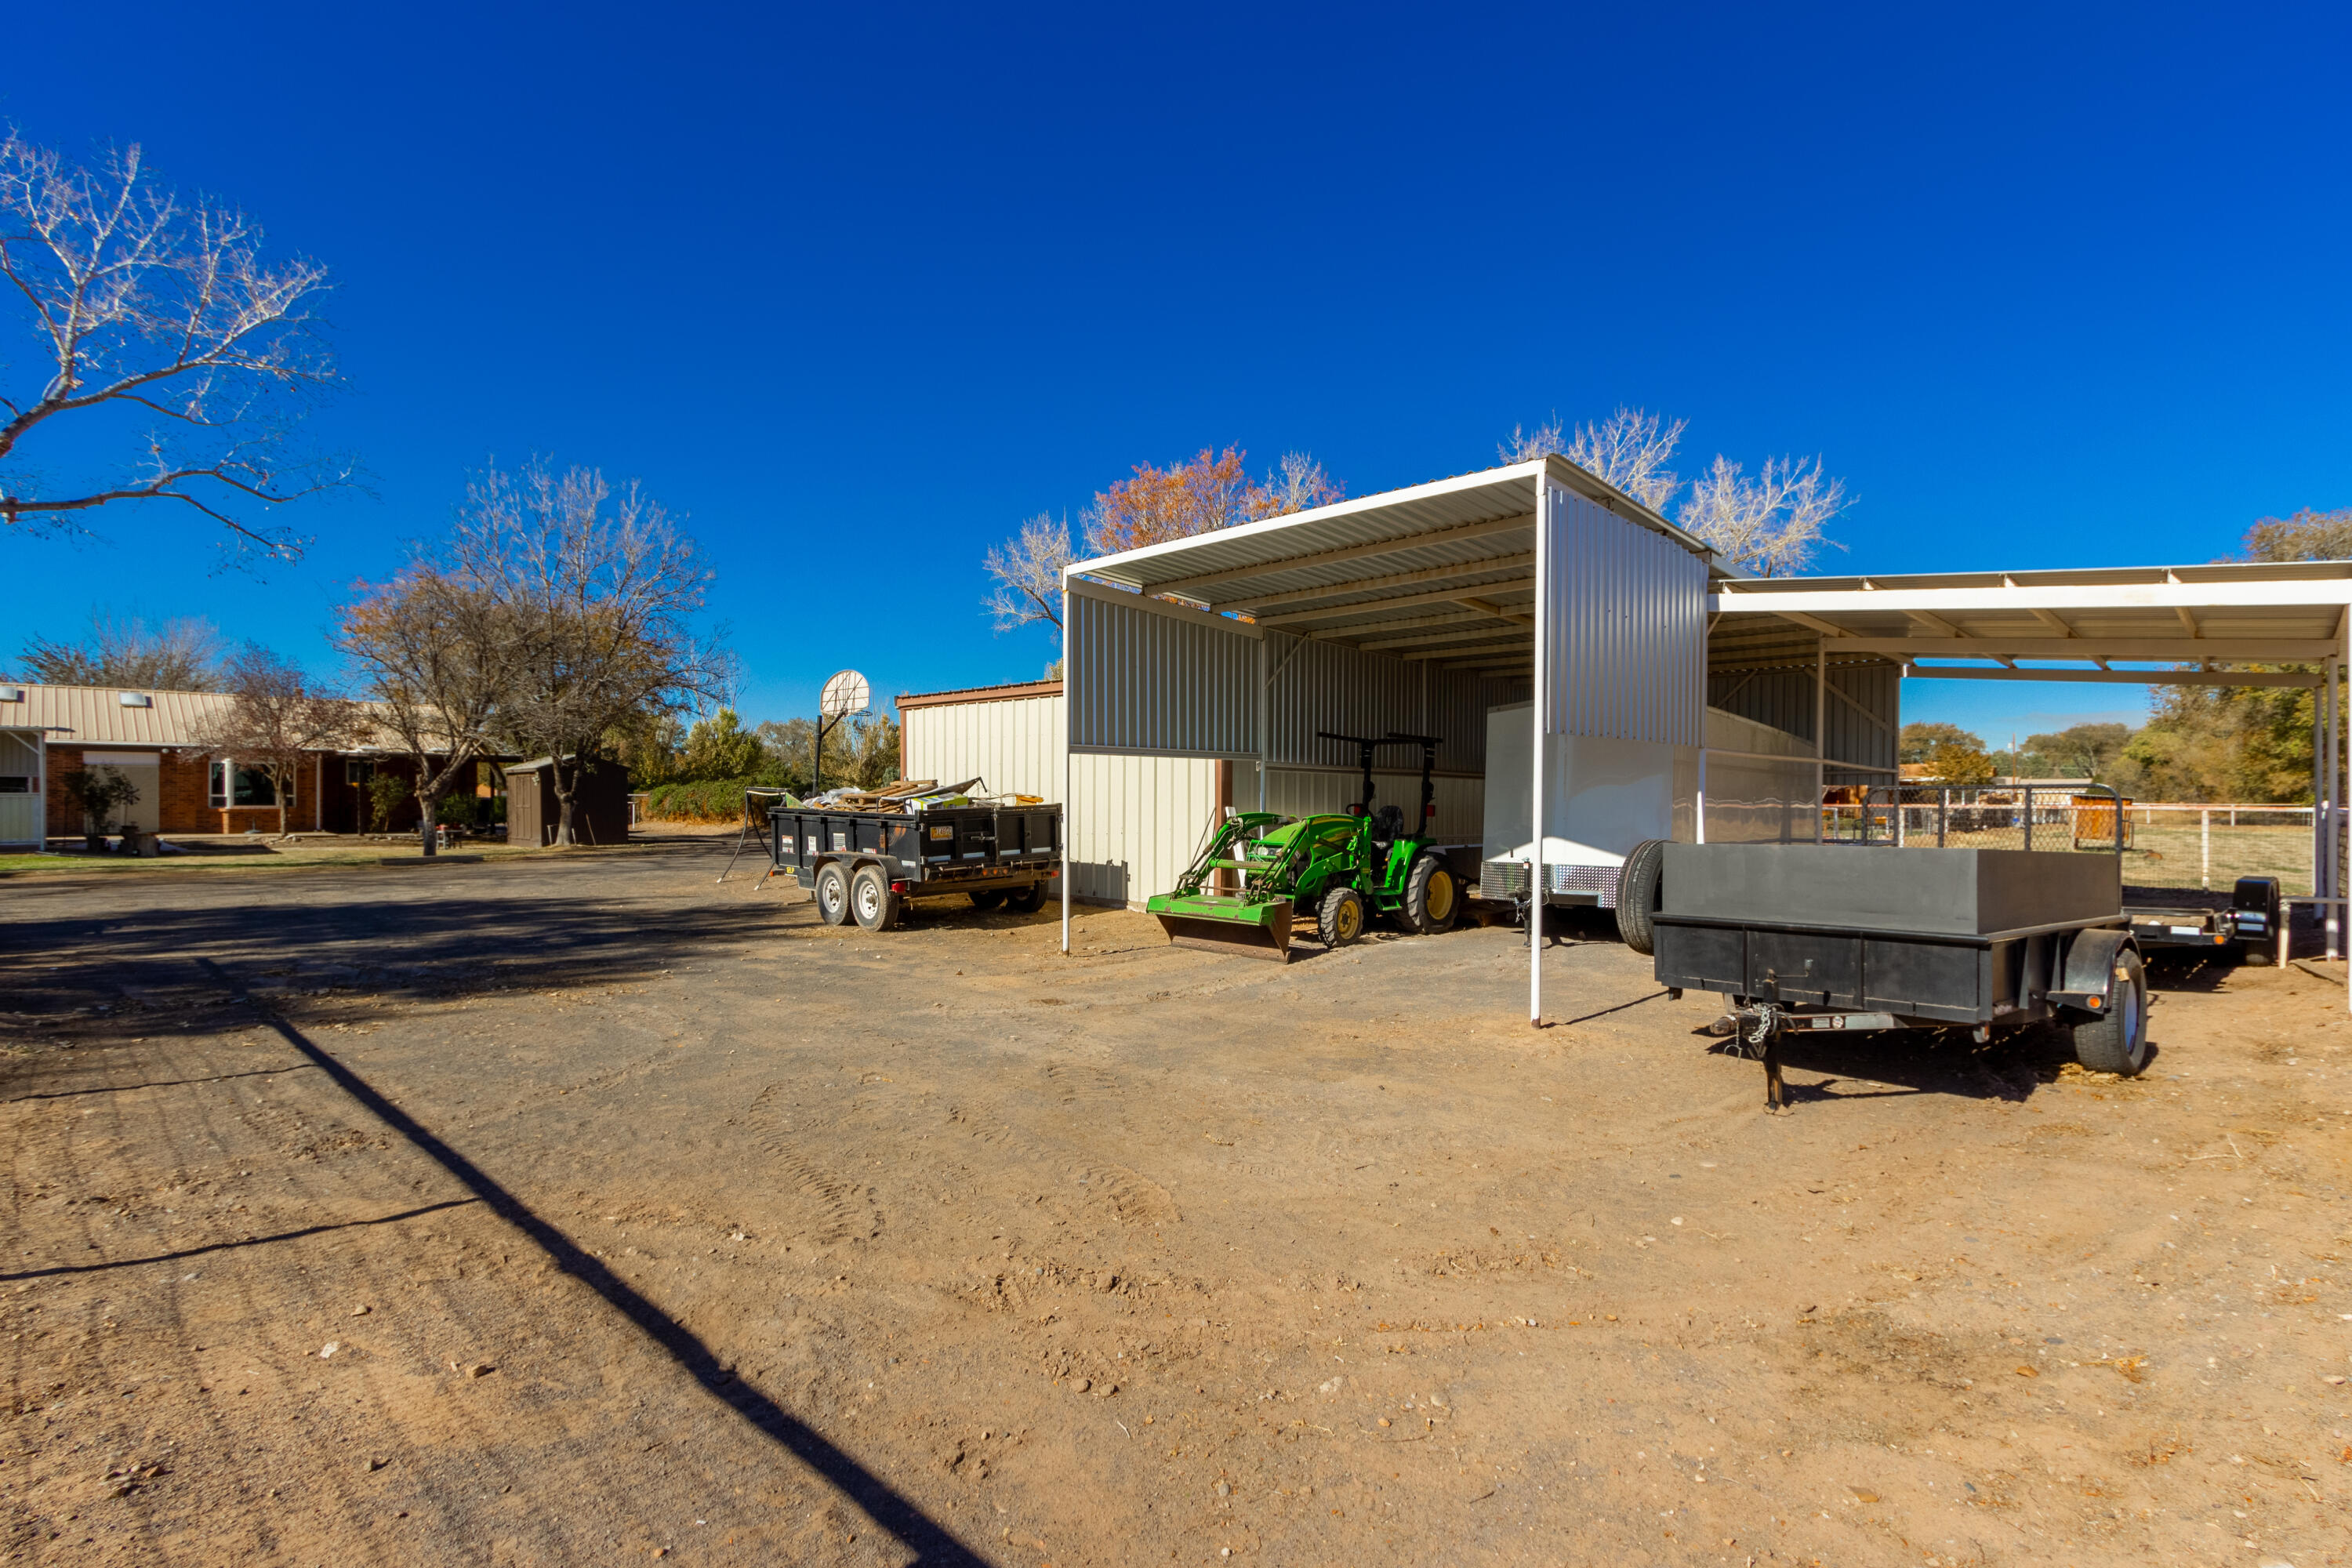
(1539, 714)
(1069, 726)
(2331, 840)
(1698, 809)
(1821, 730)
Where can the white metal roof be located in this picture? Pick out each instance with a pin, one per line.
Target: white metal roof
(2221, 612)
(1442, 571)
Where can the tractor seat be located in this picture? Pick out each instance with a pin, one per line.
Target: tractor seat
(1387, 823)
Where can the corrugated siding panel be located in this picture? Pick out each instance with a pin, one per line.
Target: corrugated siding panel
(1784, 699)
(1145, 680)
(1323, 686)
(1138, 821)
(1016, 746)
(1626, 609)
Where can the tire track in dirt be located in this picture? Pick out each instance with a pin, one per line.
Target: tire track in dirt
(834, 1208)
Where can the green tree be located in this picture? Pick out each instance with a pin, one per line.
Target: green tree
(1920, 739)
(1959, 763)
(2078, 751)
(719, 747)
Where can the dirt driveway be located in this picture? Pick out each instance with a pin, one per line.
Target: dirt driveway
(583, 1211)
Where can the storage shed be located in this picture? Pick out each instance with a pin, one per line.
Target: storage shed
(600, 803)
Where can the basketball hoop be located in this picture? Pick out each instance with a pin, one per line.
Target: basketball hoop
(847, 696)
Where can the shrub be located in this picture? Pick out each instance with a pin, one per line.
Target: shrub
(703, 800)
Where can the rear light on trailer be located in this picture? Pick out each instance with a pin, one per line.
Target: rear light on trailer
(898, 887)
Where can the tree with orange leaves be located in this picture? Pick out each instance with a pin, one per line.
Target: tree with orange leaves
(1209, 492)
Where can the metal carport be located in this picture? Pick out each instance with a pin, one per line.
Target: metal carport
(1532, 581)
(2196, 622)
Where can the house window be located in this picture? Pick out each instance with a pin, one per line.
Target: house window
(16, 784)
(357, 771)
(233, 785)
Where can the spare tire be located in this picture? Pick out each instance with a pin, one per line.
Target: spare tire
(1637, 894)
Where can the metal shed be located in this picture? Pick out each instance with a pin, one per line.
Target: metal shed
(1422, 610)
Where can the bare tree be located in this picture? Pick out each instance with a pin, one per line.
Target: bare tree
(182, 655)
(274, 718)
(1525, 445)
(1771, 524)
(162, 310)
(1630, 449)
(600, 589)
(439, 654)
(1027, 574)
(1299, 484)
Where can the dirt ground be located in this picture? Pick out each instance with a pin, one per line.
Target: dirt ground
(580, 1210)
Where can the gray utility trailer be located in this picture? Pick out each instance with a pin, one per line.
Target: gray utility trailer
(868, 866)
(1839, 937)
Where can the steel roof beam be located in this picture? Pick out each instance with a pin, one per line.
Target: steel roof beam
(1348, 552)
(2123, 677)
(1395, 602)
(1394, 580)
(2066, 599)
(2187, 651)
(1512, 646)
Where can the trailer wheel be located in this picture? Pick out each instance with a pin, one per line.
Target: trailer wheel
(870, 898)
(1027, 900)
(1340, 919)
(2116, 1040)
(1637, 894)
(831, 893)
(986, 898)
(1431, 899)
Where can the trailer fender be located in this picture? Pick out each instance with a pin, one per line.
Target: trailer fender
(2090, 964)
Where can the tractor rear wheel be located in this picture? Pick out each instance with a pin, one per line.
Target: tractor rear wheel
(831, 893)
(1431, 897)
(1340, 920)
(871, 900)
(1637, 894)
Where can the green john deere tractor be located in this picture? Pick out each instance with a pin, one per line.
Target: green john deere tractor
(1261, 871)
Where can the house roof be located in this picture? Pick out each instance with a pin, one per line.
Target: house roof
(96, 716)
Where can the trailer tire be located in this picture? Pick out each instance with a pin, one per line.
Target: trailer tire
(1340, 919)
(986, 898)
(831, 893)
(1637, 894)
(1027, 900)
(2116, 1040)
(871, 900)
(1432, 901)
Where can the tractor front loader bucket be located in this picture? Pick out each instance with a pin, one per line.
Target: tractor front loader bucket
(1216, 923)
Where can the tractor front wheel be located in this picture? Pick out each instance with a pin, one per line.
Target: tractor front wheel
(1340, 920)
(1431, 899)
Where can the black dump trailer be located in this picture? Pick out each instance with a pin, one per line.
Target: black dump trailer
(2246, 929)
(866, 866)
(1843, 937)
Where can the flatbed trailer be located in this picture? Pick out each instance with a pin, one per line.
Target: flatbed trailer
(869, 865)
(2247, 930)
(1837, 937)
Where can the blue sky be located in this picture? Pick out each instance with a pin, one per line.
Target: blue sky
(859, 289)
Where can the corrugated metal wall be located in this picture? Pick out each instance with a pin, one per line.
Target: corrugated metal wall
(1016, 746)
(1863, 710)
(1627, 610)
(1348, 691)
(1148, 675)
